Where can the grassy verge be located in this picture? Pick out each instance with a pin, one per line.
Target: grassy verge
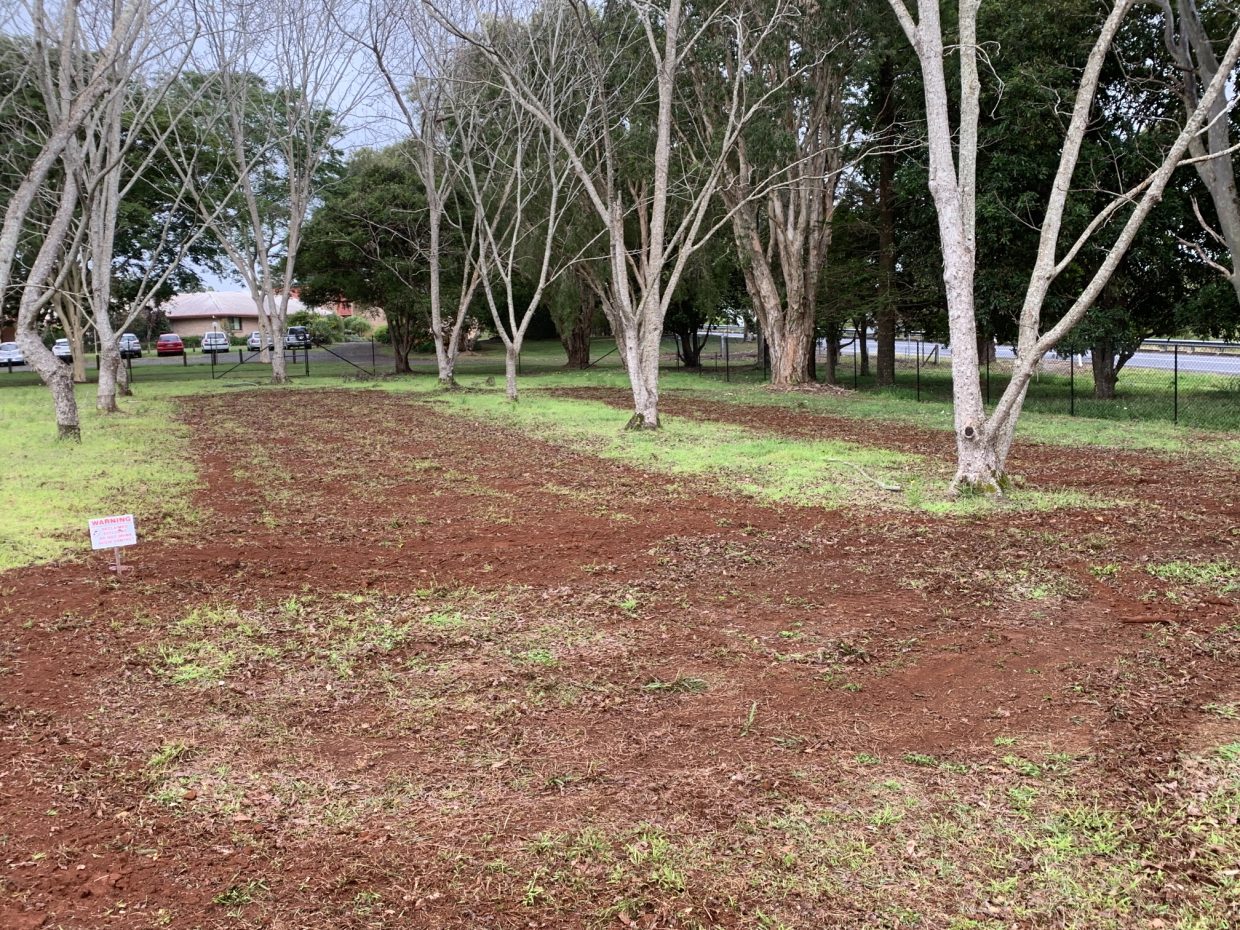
(818, 473)
(136, 462)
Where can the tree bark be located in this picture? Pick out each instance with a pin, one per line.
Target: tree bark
(511, 351)
(833, 356)
(59, 379)
(123, 382)
(1102, 359)
(885, 317)
(109, 365)
(642, 360)
(400, 329)
(576, 338)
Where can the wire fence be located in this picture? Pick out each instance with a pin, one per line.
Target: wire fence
(1191, 383)
(1194, 384)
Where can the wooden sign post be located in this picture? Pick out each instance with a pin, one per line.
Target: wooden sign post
(113, 533)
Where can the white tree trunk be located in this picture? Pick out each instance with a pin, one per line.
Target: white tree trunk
(983, 443)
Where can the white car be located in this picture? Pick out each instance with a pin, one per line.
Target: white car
(215, 342)
(11, 354)
(255, 342)
(62, 350)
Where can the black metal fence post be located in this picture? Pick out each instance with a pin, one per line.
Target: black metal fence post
(212, 366)
(305, 350)
(727, 360)
(1072, 384)
(856, 352)
(373, 364)
(919, 369)
(1175, 388)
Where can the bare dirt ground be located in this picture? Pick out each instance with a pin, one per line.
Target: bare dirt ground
(408, 670)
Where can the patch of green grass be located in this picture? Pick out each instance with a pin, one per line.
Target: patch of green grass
(240, 895)
(445, 620)
(806, 472)
(136, 462)
(538, 656)
(1229, 711)
(166, 755)
(1222, 575)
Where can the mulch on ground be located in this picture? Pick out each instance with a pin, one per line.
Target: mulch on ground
(447, 639)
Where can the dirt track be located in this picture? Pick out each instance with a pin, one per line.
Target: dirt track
(590, 644)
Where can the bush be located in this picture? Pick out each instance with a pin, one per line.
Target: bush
(382, 335)
(325, 330)
(356, 326)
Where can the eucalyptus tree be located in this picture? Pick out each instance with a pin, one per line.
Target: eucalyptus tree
(782, 176)
(984, 440)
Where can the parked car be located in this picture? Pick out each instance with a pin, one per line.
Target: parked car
(297, 337)
(130, 346)
(63, 351)
(169, 344)
(215, 342)
(255, 342)
(11, 354)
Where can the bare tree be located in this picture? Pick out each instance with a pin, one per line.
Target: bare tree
(984, 441)
(73, 64)
(414, 55)
(282, 82)
(522, 189)
(653, 201)
(108, 171)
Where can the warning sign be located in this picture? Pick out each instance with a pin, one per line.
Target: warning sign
(113, 532)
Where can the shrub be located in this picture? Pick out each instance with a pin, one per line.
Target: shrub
(356, 326)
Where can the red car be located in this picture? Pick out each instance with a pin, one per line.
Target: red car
(169, 344)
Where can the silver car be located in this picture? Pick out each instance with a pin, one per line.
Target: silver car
(255, 342)
(215, 342)
(11, 354)
(130, 346)
(62, 350)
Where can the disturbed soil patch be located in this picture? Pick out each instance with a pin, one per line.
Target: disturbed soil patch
(414, 670)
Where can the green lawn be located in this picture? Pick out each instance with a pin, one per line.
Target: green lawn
(137, 462)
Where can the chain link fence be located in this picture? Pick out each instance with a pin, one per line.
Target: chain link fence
(1195, 384)
(1192, 383)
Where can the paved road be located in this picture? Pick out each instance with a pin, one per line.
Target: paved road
(1197, 361)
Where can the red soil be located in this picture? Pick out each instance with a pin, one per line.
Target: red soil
(933, 621)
